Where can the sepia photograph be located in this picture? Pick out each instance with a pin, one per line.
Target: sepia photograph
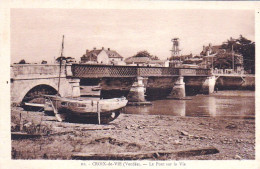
(132, 84)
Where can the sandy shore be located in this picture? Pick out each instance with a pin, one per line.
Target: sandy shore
(234, 138)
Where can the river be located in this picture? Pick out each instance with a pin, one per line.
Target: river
(226, 104)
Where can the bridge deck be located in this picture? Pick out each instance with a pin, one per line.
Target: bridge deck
(33, 71)
(98, 71)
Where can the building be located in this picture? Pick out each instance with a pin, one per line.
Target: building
(102, 56)
(214, 55)
(210, 50)
(137, 61)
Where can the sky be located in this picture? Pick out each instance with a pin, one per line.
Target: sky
(36, 34)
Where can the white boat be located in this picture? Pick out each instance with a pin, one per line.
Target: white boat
(85, 110)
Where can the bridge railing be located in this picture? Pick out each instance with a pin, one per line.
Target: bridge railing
(231, 72)
(29, 71)
(98, 71)
(228, 71)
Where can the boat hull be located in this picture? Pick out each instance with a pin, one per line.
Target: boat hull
(86, 111)
(91, 118)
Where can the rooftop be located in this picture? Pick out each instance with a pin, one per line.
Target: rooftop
(96, 52)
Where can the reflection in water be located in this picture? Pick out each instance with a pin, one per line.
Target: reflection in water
(144, 109)
(238, 104)
(212, 107)
(181, 108)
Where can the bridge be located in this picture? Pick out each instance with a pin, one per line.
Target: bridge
(30, 81)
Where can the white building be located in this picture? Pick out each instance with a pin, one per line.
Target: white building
(102, 56)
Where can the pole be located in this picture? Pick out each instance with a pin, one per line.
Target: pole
(233, 66)
(21, 122)
(61, 55)
(212, 63)
(56, 111)
(98, 111)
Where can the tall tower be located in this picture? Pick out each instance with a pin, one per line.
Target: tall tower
(175, 47)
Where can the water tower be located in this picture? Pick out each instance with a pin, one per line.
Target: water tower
(175, 47)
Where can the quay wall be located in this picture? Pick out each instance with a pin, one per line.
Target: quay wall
(235, 83)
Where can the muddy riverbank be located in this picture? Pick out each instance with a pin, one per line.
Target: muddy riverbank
(234, 138)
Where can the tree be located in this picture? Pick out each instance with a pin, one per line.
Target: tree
(44, 62)
(223, 62)
(66, 59)
(22, 62)
(144, 53)
(244, 47)
(247, 49)
(60, 59)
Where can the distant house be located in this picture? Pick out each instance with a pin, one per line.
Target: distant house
(137, 61)
(212, 55)
(175, 63)
(159, 63)
(210, 50)
(181, 57)
(182, 61)
(146, 61)
(102, 56)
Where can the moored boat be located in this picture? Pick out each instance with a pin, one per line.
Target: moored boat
(85, 110)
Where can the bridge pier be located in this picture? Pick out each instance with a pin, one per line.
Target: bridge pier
(137, 91)
(178, 90)
(75, 85)
(208, 85)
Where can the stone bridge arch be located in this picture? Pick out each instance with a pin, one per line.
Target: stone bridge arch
(20, 88)
(68, 87)
(35, 95)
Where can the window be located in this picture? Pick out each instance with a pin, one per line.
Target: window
(63, 103)
(72, 104)
(81, 105)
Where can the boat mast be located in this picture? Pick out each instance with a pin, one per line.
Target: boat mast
(61, 58)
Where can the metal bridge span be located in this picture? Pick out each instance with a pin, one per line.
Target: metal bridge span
(99, 71)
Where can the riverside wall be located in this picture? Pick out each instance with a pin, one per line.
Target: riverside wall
(235, 83)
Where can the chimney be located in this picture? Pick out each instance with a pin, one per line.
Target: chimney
(108, 48)
(204, 48)
(87, 51)
(210, 48)
(94, 48)
(102, 48)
